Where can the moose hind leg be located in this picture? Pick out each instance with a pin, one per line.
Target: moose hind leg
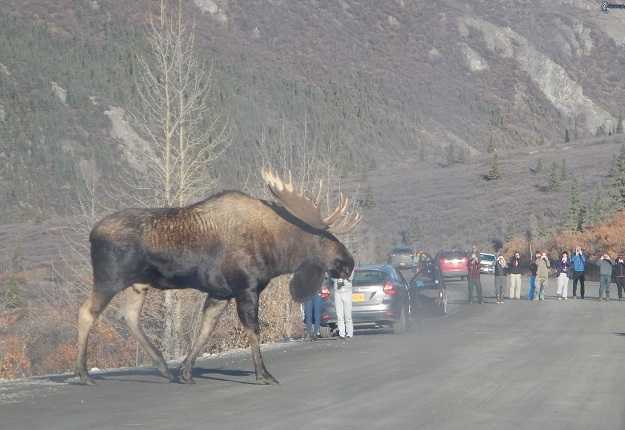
(211, 313)
(135, 297)
(88, 313)
(247, 309)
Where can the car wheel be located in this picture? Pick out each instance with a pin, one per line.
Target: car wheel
(325, 331)
(400, 326)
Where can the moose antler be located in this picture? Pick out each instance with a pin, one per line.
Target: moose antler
(306, 209)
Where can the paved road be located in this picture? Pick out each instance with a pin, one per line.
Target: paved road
(520, 365)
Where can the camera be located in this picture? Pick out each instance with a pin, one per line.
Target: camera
(339, 283)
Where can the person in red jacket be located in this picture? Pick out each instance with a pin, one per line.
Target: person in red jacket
(474, 277)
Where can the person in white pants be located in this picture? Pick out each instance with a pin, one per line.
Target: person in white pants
(563, 266)
(343, 306)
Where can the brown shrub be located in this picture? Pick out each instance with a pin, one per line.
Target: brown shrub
(14, 362)
(606, 237)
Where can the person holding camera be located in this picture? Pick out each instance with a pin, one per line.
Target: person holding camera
(605, 276)
(542, 275)
(343, 306)
(579, 268)
(514, 269)
(473, 277)
(500, 277)
(619, 275)
(563, 266)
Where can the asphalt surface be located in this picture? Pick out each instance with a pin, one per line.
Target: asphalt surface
(518, 365)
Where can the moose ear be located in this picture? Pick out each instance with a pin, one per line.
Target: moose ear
(306, 280)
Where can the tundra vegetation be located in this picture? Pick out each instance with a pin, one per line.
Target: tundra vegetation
(73, 89)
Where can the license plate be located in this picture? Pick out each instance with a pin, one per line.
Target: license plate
(358, 297)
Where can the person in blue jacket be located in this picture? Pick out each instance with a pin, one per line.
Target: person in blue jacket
(579, 267)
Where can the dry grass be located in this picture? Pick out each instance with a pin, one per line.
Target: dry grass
(40, 340)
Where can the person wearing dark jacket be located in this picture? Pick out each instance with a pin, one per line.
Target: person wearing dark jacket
(619, 275)
(500, 277)
(579, 268)
(532, 280)
(514, 269)
(474, 277)
(563, 267)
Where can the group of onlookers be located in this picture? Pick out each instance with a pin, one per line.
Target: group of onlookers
(567, 268)
(342, 289)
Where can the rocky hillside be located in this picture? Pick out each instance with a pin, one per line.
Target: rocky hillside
(379, 81)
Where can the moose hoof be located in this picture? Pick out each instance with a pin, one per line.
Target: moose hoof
(85, 379)
(267, 379)
(165, 373)
(186, 376)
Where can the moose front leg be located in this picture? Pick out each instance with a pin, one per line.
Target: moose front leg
(211, 313)
(247, 308)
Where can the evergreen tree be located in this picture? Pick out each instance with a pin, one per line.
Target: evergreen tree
(617, 189)
(422, 152)
(597, 208)
(539, 166)
(572, 219)
(566, 136)
(491, 146)
(450, 154)
(563, 170)
(619, 124)
(554, 179)
(462, 156)
(493, 173)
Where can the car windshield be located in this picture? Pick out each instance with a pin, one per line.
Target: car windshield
(487, 257)
(453, 255)
(368, 277)
(402, 251)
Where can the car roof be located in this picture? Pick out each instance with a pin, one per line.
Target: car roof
(402, 249)
(379, 267)
(486, 253)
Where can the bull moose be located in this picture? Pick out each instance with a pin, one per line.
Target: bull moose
(229, 246)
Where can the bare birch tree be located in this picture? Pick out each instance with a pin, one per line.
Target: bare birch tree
(182, 130)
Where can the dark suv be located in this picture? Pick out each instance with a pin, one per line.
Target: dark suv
(402, 257)
(380, 298)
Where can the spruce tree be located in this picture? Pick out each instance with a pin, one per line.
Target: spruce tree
(494, 173)
(422, 152)
(572, 219)
(450, 154)
(619, 124)
(617, 189)
(539, 166)
(491, 146)
(554, 180)
(563, 170)
(566, 136)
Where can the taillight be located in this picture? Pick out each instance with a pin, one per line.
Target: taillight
(389, 289)
(325, 293)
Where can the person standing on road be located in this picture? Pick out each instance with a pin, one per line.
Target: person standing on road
(500, 277)
(619, 275)
(473, 277)
(579, 267)
(563, 267)
(312, 317)
(605, 275)
(542, 276)
(343, 306)
(532, 279)
(514, 269)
